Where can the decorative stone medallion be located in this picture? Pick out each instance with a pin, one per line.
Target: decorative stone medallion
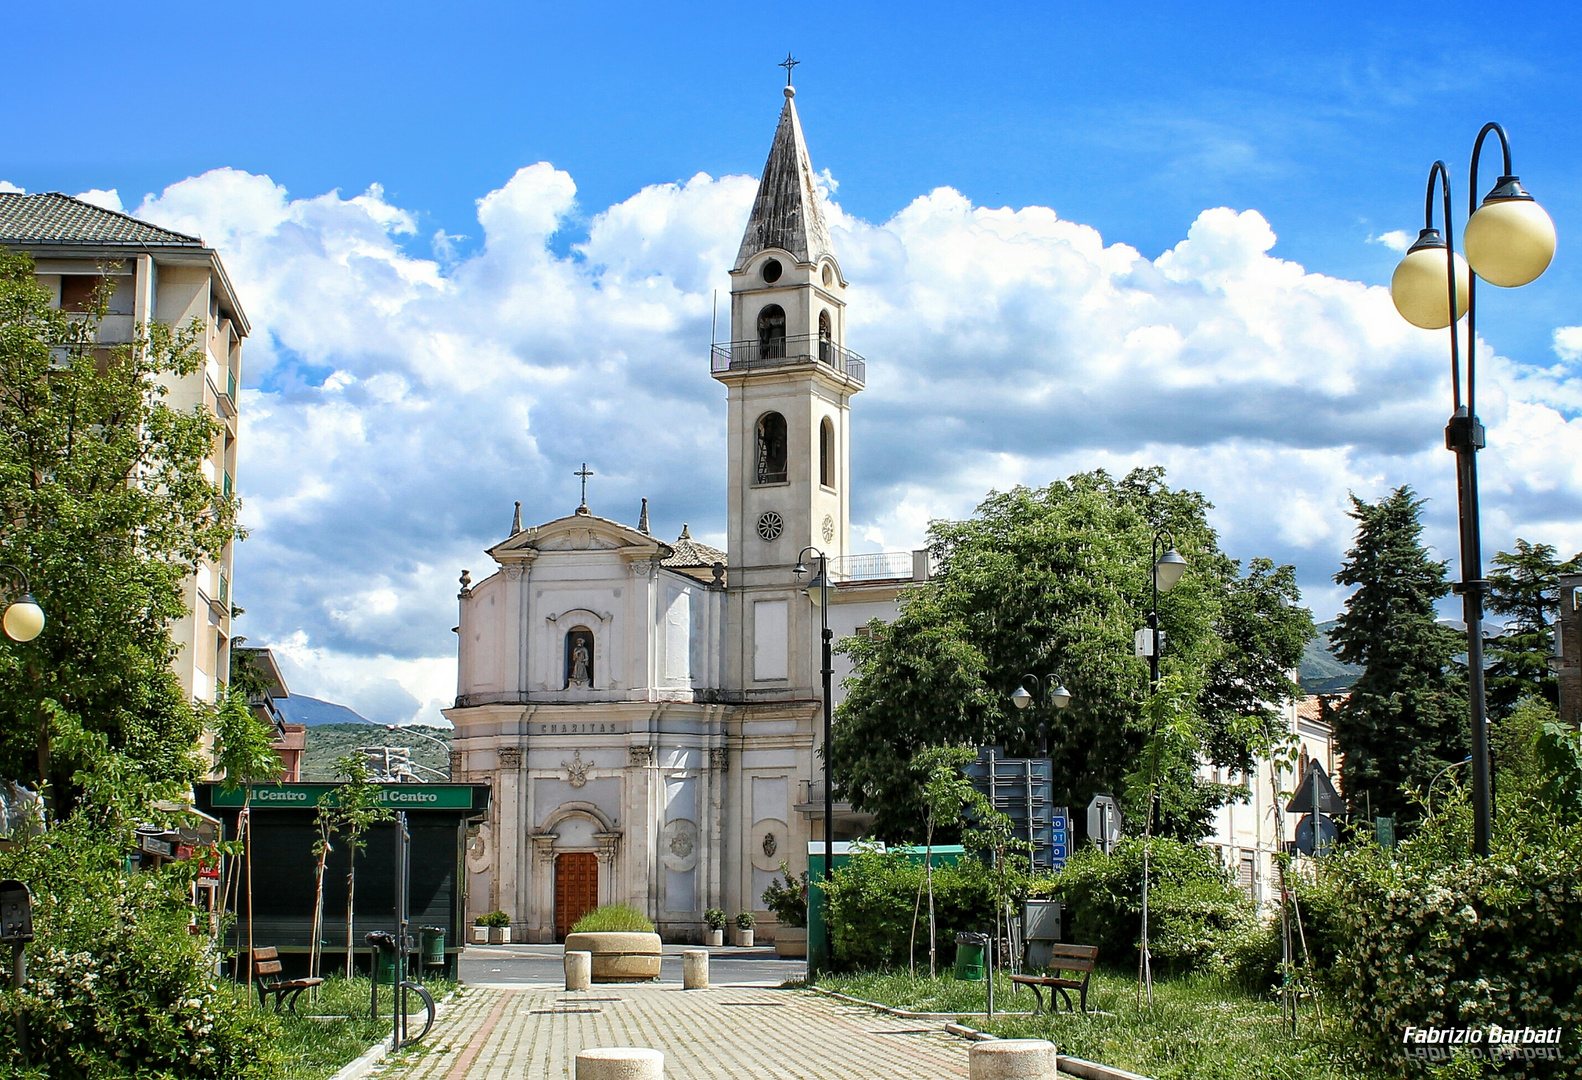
(576, 770)
(678, 845)
(828, 531)
(770, 526)
(771, 845)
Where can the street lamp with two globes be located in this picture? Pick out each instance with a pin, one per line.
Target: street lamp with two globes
(1509, 241)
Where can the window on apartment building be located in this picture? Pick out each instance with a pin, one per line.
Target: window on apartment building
(1247, 873)
(868, 630)
(79, 292)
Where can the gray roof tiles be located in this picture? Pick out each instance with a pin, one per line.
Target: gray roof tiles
(786, 213)
(53, 218)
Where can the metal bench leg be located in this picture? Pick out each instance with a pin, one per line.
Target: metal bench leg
(291, 1006)
(1069, 1007)
(1038, 999)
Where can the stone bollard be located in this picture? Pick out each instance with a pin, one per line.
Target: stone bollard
(695, 969)
(1011, 1059)
(620, 1063)
(579, 970)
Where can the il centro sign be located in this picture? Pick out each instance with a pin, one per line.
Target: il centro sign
(309, 796)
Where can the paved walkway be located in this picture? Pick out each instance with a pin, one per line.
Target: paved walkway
(534, 1033)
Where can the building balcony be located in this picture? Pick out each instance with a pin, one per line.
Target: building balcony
(880, 566)
(760, 354)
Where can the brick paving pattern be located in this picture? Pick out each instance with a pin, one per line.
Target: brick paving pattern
(534, 1033)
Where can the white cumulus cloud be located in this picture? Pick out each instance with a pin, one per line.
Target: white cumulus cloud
(396, 405)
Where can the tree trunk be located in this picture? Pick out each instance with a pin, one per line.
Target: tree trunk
(928, 870)
(318, 915)
(911, 945)
(351, 896)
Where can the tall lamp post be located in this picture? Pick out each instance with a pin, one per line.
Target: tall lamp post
(1509, 242)
(818, 592)
(24, 619)
(1166, 570)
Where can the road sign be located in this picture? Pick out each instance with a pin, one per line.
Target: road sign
(1059, 836)
(1104, 822)
(1328, 799)
(1328, 835)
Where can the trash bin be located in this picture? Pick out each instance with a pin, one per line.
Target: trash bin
(384, 947)
(433, 939)
(969, 956)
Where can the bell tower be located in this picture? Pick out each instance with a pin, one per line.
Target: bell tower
(790, 380)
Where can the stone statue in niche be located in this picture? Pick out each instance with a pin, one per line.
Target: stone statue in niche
(579, 659)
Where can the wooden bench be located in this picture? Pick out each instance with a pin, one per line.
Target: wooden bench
(1078, 958)
(266, 976)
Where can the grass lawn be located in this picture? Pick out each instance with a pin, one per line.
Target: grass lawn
(1199, 1028)
(310, 1049)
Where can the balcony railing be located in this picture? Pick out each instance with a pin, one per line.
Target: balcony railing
(782, 351)
(877, 566)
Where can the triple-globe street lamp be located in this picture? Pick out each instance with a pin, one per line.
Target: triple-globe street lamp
(1048, 692)
(1509, 241)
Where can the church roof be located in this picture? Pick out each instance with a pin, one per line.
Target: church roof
(688, 552)
(786, 213)
(53, 218)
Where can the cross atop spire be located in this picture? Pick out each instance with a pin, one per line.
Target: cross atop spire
(584, 472)
(788, 63)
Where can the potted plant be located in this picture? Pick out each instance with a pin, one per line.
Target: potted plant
(714, 919)
(480, 931)
(788, 900)
(499, 924)
(744, 929)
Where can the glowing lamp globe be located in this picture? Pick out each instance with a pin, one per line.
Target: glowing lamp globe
(1419, 288)
(24, 620)
(1510, 240)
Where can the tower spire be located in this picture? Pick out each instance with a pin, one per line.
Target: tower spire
(786, 213)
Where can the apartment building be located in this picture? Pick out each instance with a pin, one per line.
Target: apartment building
(164, 276)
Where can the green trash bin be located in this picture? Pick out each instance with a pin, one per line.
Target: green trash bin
(969, 957)
(433, 938)
(384, 957)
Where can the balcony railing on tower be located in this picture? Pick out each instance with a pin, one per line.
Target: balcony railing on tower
(758, 353)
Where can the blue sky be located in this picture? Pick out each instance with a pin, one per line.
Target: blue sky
(1133, 121)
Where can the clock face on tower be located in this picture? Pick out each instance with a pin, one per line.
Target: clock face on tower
(770, 525)
(828, 530)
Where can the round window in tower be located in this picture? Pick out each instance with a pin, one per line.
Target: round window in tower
(772, 271)
(770, 526)
(829, 274)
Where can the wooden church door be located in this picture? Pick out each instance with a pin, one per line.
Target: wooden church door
(576, 889)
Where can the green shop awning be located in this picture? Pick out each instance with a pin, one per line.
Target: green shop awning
(410, 797)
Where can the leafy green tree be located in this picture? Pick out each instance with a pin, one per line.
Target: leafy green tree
(1406, 717)
(244, 757)
(1525, 585)
(1056, 579)
(104, 504)
(948, 798)
(357, 809)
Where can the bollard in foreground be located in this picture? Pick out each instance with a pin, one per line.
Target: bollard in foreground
(620, 1063)
(1011, 1059)
(579, 970)
(695, 969)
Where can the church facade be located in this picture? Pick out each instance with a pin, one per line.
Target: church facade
(648, 713)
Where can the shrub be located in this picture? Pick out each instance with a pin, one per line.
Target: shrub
(714, 919)
(745, 920)
(788, 899)
(118, 986)
(494, 918)
(614, 919)
(1197, 918)
(871, 901)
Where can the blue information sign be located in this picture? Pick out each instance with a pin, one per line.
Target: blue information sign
(1060, 822)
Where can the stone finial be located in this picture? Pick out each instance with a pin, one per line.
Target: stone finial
(686, 534)
(719, 574)
(642, 519)
(466, 584)
(516, 520)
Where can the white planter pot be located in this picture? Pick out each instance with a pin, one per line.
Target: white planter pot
(619, 957)
(744, 939)
(499, 935)
(480, 935)
(716, 938)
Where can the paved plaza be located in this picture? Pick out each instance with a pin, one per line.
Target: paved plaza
(535, 1032)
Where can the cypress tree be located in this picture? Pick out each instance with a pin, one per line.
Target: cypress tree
(1525, 585)
(1406, 717)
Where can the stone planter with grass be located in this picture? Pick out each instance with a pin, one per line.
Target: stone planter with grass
(622, 942)
(496, 927)
(714, 927)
